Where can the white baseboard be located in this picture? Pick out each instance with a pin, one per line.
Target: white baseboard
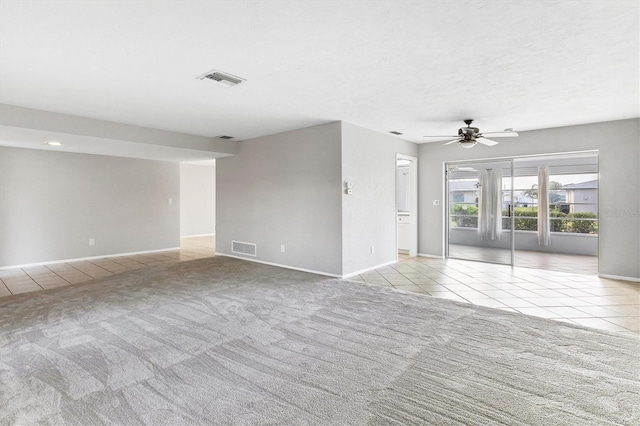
(311, 271)
(198, 235)
(362, 271)
(430, 255)
(79, 259)
(619, 277)
(280, 266)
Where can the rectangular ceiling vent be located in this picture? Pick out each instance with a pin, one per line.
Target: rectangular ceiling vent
(248, 249)
(221, 78)
(224, 137)
(393, 132)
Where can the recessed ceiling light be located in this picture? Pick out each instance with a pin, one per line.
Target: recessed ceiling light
(53, 143)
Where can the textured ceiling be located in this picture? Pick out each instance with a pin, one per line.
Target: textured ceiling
(415, 67)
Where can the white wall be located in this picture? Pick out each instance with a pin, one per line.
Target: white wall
(289, 189)
(52, 203)
(369, 214)
(618, 143)
(284, 189)
(197, 199)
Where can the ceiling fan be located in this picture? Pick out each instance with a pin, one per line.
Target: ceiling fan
(468, 136)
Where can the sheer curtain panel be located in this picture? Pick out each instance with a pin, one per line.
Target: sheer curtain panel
(544, 225)
(490, 205)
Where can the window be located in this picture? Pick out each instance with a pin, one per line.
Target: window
(573, 203)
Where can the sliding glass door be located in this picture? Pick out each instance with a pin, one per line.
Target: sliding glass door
(535, 211)
(480, 202)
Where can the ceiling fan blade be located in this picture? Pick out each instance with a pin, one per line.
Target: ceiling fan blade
(442, 136)
(486, 141)
(500, 134)
(450, 142)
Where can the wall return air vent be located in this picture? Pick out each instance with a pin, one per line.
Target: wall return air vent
(248, 249)
(220, 78)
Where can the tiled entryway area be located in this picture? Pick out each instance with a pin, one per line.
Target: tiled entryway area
(581, 299)
(37, 278)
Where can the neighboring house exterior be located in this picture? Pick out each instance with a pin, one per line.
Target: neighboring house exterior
(466, 192)
(463, 192)
(582, 196)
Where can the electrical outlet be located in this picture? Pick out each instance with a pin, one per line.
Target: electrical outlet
(92, 241)
(281, 248)
(170, 201)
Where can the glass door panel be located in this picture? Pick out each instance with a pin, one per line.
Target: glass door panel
(571, 209)
(479, 202)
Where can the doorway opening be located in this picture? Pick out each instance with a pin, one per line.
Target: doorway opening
(538, 211)
(198, 207)
(406, 205)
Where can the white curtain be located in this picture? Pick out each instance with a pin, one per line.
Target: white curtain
(544, 225)
(490, 205)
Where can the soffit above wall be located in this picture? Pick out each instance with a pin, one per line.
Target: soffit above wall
(30, 129)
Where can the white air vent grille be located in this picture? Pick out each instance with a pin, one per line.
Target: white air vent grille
(239, 247)
(221, 78)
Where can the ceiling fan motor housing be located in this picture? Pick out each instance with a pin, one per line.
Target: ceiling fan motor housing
(468, 133)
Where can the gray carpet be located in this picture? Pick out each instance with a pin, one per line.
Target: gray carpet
(222, 341)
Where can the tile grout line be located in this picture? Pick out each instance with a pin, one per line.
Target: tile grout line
(63, 278)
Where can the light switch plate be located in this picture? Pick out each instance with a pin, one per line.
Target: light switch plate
(436, 202)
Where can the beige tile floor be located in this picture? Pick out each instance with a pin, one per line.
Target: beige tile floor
(570, 297)
(575, 298)
(37, 278)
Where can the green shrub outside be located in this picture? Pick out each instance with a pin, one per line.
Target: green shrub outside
(583, 226)
(462, 221)
(560, 223)
(526, 219)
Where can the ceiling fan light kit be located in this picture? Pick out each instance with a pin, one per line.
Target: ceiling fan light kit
(469, 136)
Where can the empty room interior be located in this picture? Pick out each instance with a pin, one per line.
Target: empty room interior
(319, 212)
